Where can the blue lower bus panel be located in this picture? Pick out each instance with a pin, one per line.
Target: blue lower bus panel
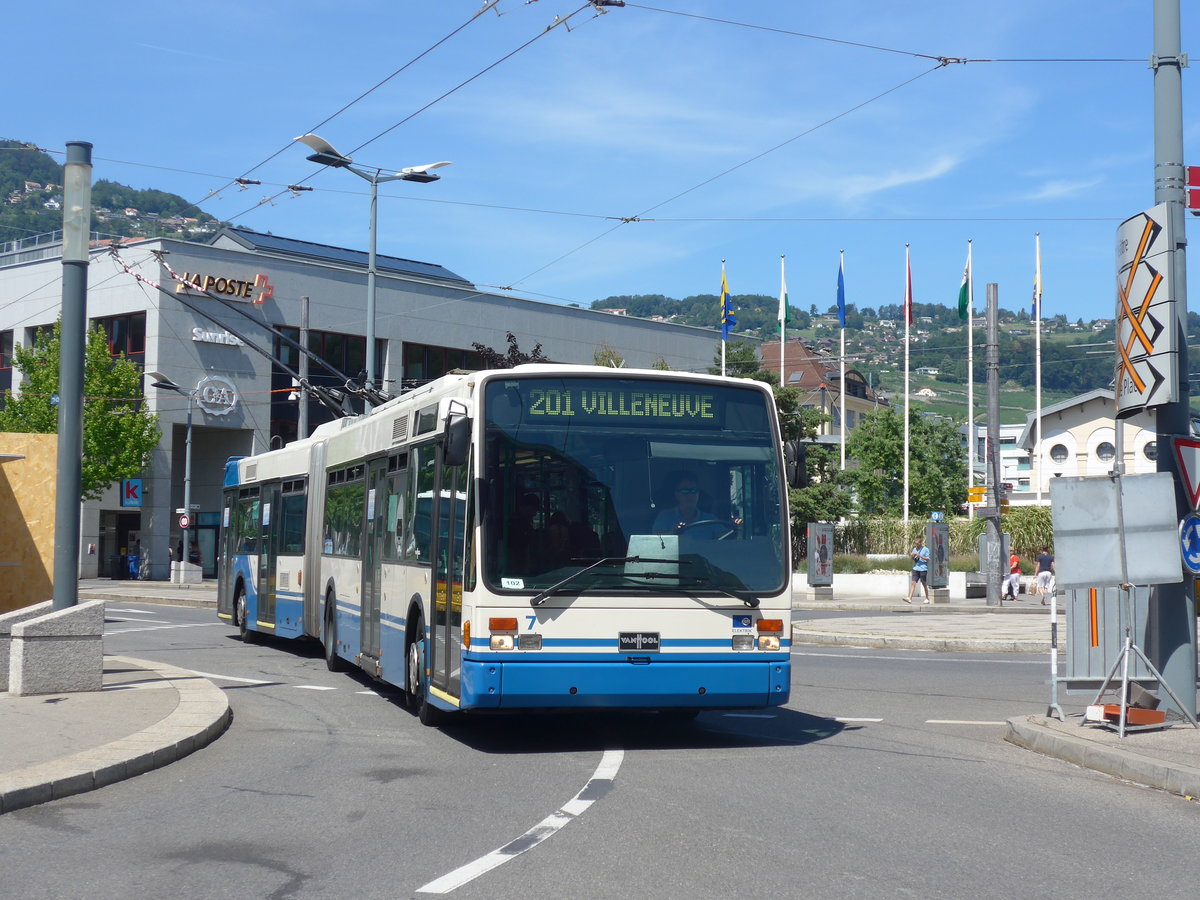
(658, 683)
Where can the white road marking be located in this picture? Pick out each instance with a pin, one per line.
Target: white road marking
(135, 612)
(370, 693)
(962, 722)
(229, 678)
(925, 659)
(163, 627)
(599, 784)
(851, 719)
(149, 621)
(313, 687)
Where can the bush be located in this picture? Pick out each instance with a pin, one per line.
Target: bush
(858, 564)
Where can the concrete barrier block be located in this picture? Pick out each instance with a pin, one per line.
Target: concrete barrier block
(7, 621)
(60, 652)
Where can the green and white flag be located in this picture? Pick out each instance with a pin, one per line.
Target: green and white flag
(964, 292)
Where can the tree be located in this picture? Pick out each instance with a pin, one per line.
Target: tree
(937, 469)
(493, 359)
(118, 434)
(741, 360)
(605, 355)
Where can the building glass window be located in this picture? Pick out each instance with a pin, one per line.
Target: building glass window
(6, 351)
(1105, 451)
(424, 362)
(345, 353)
(1151, 451)
(1058, 453)
(127, 336)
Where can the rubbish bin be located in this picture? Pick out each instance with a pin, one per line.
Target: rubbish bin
(118, 567)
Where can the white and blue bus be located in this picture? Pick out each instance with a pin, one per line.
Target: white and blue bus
(509, 539)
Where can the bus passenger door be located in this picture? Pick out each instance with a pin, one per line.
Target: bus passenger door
(269, 552)
(449, 511)
(372, 555)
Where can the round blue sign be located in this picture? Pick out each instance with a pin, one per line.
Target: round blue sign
(1189, 542)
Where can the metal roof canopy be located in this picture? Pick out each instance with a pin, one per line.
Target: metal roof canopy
(1112, 530)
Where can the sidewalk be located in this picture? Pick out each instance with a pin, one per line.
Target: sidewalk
(150, 714)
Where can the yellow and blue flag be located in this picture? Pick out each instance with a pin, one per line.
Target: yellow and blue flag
(728, 320)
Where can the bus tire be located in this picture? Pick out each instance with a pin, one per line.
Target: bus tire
(245, 632)
(333, 662)
(418, 699)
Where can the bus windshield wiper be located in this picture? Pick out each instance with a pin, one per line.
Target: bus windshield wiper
(745, 596)
(540, 597)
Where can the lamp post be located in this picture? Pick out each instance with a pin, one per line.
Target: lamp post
(162, 382)
(326, 155)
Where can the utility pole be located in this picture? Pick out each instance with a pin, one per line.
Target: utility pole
(77, 223)
(1171, 628)
(302, 418)
(992, 565)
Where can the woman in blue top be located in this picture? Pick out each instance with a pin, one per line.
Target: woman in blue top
(920, 570)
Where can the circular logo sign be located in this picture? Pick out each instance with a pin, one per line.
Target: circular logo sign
(184, 521)
(217, 396)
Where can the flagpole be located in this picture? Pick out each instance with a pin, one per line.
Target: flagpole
(842, 349)
(907, 324)
(724, 333)
(1037, 415)
(971, 441)
(783, 311)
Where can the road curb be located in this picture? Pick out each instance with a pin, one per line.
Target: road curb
(1026, 732)
(905, 642)
(200, 717)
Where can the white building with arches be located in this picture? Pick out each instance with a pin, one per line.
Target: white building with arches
(1079, 438)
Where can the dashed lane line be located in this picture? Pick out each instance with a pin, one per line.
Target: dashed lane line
(597, 786)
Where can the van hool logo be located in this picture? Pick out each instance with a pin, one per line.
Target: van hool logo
(255, 291)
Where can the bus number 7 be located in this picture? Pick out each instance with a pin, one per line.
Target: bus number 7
(532, 621)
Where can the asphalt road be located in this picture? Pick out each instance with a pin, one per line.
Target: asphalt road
(886, 776)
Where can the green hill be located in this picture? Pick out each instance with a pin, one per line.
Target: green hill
(31, 202)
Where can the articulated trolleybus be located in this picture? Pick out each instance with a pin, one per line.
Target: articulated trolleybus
(544, 537)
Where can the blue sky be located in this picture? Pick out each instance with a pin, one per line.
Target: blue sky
(630, 114)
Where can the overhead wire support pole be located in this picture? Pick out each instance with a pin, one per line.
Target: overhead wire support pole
(1173, 618)
(77, 217)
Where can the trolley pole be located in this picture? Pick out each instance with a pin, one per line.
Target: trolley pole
(994, 560)
(77, 223)
(1171, 630)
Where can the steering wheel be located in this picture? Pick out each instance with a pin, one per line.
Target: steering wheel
(680, 529)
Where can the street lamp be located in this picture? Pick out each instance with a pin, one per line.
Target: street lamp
(162, 382)
(326, 155)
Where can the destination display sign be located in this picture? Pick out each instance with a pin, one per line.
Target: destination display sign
(624, 403)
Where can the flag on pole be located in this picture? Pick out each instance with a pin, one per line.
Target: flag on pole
(964, 292)
(1036, 308)
(908, 301)
(728, 321)
(841, 295)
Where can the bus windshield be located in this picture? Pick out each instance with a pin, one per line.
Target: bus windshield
(631, 486)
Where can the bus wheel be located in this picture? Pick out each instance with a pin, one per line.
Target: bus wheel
(417, 699)
(333, 662)
(245, 632)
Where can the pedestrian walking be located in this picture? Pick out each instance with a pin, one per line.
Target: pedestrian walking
(1045, 574)
(920, 570)
(1012, 583)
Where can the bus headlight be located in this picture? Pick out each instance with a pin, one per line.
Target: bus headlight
(768, 642)
(502, 641)
(743, 642)
(529, 642)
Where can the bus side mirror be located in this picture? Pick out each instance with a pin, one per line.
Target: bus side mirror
(795, 463)
(456, 439)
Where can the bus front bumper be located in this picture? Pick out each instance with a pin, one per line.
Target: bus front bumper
(636, 682)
